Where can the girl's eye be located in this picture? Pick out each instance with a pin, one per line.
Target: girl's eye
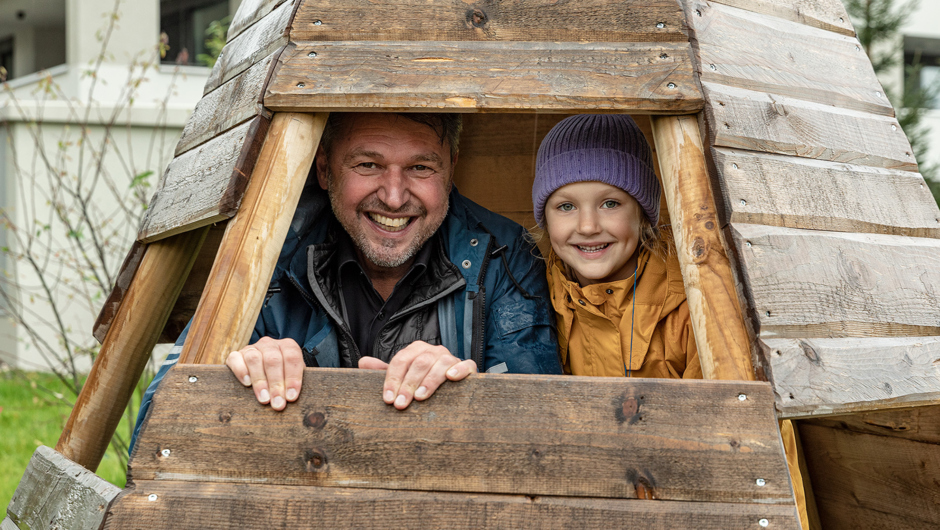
(610, 204)
(566, 207)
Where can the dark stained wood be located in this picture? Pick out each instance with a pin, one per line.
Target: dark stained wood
(252, 45)
(492, 76)
(825, 14)
(505, 20)
(866, 481)
(764, 53)
(828, 284)
(206, 184)
(121, 284)
(127, 348)
(814, 377)
(223, 506)
(918, 424)
(673, 440)
(249, 12)
(770, 123)
(235, 102)
(778, 190)
(58, 493)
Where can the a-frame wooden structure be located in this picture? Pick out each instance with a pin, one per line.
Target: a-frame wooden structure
(808, 241)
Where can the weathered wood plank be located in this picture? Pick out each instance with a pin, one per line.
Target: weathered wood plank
(619, 438)
(918, 424)
(828, 284)
(249, 12)
(121, 284)
(746, 50)
(824, 14)
(222, 506)
(760, 188)
(206, 184)
(471, 76)
(770, 123)
(8, 524)
(814, 377)
(865, 481)
(506, 20)
(233, 103)
(58, 493)
(252, 45)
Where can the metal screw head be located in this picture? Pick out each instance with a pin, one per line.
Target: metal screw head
(318, 23)
(664, 56)
(764, 523)
(841, 19)
(747, 244)
(877, 94)
(312, 54)
(301, 85)
(742, 397)
(735, 166)
(698, 12)
(713, 67)
(193, 379)
(474, 242)
(767, 313)
(660, 25)
(894, 127)
(761, 482)
(671, 85)
(857, 49)
(743, 202)
(152, 497)
(465, 264)
(165, 453)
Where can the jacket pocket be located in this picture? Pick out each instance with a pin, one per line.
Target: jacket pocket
(517, 316)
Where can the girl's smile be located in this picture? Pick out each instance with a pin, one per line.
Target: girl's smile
(595, 229)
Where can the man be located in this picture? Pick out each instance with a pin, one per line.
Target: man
(404, 274)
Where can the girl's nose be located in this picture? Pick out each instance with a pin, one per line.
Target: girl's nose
(393, 190)
(588, 223)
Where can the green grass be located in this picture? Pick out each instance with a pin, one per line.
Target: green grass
(30, 417)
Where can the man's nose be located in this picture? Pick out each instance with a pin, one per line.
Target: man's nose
(393, 189)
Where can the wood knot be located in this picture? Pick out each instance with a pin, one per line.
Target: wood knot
(709, 225)
(314, 460)
(225, 417)
(477, 17)
(315, 420)
(735, 445)
(699, 250)
(628, 409)
(644, 490)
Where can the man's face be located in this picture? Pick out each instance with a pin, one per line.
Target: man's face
(388, 179)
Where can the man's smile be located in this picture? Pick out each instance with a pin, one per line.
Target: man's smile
(391, 224)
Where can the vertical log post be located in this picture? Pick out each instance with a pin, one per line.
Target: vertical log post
(252, 242)
(128, 346)
(717, 320)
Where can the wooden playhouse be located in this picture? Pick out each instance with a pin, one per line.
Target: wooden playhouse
(808, 242)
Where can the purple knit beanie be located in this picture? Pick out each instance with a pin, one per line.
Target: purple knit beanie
(608, 148)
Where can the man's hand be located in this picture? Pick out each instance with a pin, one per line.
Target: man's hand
(417, 371)
(274, 368)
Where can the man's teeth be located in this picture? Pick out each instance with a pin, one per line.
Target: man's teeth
(595, 248)
(392, 224)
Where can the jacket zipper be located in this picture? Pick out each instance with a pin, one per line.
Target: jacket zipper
(342, 328)
(479, 309)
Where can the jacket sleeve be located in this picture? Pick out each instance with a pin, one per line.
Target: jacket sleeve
(519, 319)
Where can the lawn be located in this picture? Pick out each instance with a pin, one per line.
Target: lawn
(30, 417)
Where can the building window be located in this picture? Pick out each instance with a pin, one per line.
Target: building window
(922, 65)
(185, 23)
(6, 56)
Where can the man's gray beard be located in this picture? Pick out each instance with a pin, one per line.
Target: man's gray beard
(363, 244)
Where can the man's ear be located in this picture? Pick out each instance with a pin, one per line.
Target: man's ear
(323, 168)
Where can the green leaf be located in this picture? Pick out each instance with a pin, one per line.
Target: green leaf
(141, 180)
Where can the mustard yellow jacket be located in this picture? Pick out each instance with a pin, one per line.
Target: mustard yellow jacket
(594, 322)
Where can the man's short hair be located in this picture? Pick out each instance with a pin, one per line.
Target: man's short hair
(447, 126)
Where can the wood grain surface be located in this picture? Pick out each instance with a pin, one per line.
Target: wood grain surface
(778, 190)
(771, 123)
(249, 12)
(867, 481)
(805, 283)
(252, 45)
(504, 20)
(223, 506)
(594, 437)
(814, 377)
(764, 53)
(492, 76)
(918, 424)
(205, 184)
(825, 14)
(121, 284)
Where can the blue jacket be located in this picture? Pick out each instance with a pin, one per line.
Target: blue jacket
(501, 316)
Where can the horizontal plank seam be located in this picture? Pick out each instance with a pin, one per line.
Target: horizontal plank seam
(230, 38)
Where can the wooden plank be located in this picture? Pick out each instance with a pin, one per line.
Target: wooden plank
(249, 12)
(507, 20)
(777, 190)
(746, 50)
(252, 45)
(721, 335)
(121, 284)
(58, 493)
(814, 377)
(771, 123)
(222, 506)
(249, 249)
(919, 424)
(829, 284)
(8, 524)
(235, 102)
(206, 184)
(866, 481)
(618, 439)
(492, 76)
(824, 14)
(127, 348)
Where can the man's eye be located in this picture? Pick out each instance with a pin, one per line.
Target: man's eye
(610, 204)
(368, 165)
(421, 168)
(566, 207)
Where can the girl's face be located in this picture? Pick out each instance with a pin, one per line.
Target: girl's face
(595, 229)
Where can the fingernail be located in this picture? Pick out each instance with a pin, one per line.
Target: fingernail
(291, 394)
(389, 396)
(452, 372)
(263, 396)
(400, 401)
(421, 392)
(246, 380)
(278, 403)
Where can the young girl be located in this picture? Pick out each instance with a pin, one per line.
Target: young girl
(615, 285)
